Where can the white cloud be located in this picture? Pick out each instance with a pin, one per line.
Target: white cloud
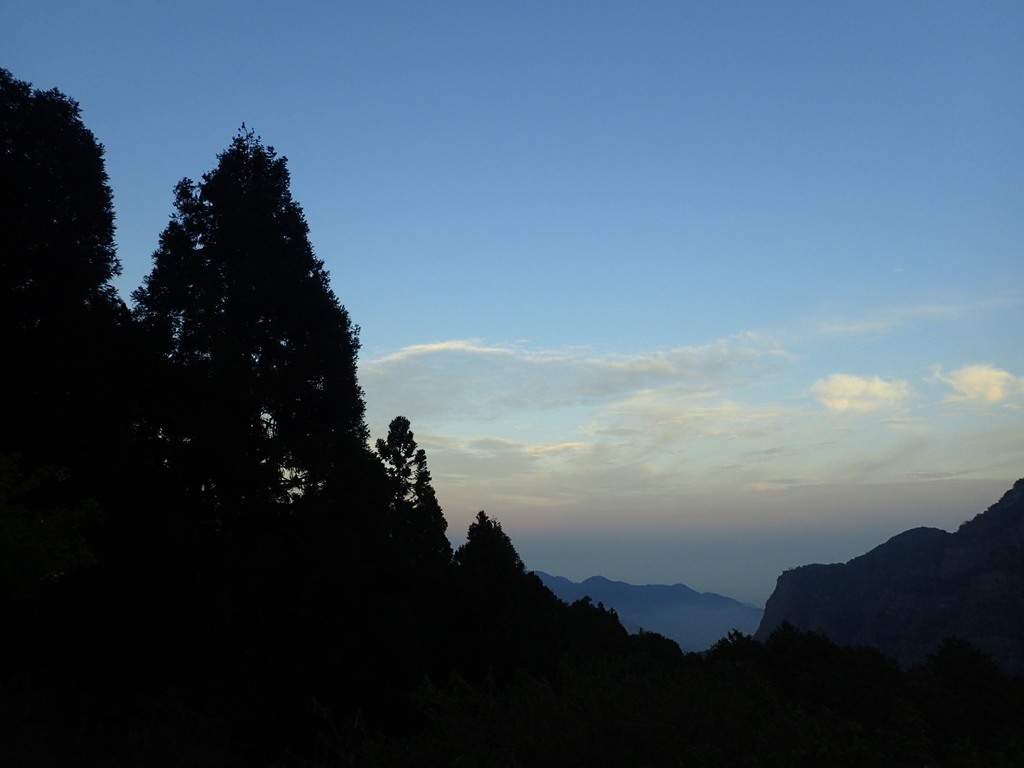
(470, 380)
(548, 435)
(980, 383)
(860, 394)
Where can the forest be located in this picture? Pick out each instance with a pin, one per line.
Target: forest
(205, 562)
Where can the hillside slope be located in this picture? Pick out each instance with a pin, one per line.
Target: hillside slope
(904, 596)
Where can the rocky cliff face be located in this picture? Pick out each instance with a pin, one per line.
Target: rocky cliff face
(907, 594)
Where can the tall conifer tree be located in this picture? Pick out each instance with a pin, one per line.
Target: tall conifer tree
(260, 402)
(58, 309)
(416, 522)
(61, 325)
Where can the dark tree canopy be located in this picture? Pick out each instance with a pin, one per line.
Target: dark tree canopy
(489, 550)
(261, 357)
(57, 220)
(416, 520)
(57, 306)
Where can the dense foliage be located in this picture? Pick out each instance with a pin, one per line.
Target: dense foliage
(203, 562)
(259, 404)
(61, 335)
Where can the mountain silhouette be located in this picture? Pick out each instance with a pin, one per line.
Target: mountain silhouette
(693, 619)
(906, 595)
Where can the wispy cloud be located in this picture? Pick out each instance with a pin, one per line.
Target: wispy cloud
(653, 420)
(983, 384)
(937, 475)
(469, 379)
(886, 320)
(860, 394)
(574, 432)
(540, 427)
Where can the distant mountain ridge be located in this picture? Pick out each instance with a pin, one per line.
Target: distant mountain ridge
(693, 619)
(904, 596)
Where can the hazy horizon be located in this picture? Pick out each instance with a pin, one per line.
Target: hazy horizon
(744, 564)
(685, 293)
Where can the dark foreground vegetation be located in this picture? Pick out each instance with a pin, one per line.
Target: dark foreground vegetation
(204, 563)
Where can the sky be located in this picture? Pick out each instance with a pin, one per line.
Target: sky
(678, 292)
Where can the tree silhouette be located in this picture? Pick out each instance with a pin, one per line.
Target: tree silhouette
(258, 406)
(58, 216)
(416, 522)
(58, 310)
(489, 553)
(506, 619)
(61, 326)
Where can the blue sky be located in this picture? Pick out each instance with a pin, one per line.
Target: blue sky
(680, 292)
